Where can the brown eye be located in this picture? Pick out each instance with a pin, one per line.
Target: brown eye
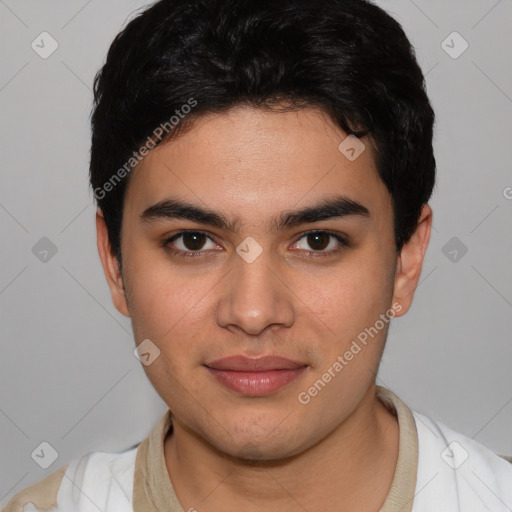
(322, 243)
(318, 241)
(190, 243)
(194, 241)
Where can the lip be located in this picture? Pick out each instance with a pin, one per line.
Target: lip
(258, 364)
(255, 376)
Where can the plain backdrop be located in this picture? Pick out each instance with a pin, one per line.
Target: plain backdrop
(67, 371)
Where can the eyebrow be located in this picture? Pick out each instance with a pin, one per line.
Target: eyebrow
(337, 207)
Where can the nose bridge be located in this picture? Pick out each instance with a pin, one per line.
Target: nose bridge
(253, 276)
(254, 297)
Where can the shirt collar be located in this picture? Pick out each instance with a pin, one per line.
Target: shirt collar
(153, 491)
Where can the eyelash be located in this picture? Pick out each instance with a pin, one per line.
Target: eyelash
(195, 254)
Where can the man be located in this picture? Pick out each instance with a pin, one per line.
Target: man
(262, 172)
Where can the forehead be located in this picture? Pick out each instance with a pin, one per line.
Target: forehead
(255, 160)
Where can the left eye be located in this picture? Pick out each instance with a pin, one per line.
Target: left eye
(320, 241)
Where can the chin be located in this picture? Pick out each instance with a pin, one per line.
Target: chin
(257, 439)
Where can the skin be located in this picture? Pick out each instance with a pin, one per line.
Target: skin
(268, 453)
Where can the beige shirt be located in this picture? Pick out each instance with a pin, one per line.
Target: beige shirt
(153, 490)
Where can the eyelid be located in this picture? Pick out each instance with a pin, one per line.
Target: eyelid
(340, 237)
(177, 235)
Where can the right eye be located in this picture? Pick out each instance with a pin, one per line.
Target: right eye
(188, 243)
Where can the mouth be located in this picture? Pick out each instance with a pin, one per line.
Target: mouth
(255, 377)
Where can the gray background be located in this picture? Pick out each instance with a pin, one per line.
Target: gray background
(68, 374)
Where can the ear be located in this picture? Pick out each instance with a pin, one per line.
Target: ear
(410, 261)
(110, 266)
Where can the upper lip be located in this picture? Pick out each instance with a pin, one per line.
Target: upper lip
(265, 363)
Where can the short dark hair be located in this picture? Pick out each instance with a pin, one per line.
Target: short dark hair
(347, 57)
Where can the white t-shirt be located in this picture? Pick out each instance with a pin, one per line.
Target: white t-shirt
(437, 470)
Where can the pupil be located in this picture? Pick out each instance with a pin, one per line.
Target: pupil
(315, 241)
(193, 241)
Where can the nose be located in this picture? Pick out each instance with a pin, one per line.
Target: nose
(254, 297)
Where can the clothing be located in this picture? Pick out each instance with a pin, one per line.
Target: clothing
(437, 469)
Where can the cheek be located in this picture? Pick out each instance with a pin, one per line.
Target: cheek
(166, 305)
(169, 308)
(353, 296)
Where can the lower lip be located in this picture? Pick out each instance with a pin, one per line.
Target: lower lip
(256, 383)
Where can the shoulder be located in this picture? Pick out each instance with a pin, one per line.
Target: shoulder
(458, 471)
(97, 480)
(42, 494)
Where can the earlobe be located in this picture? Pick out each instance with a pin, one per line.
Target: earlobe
(110, 266)
(410, 261)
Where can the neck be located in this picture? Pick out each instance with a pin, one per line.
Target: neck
(351, 469)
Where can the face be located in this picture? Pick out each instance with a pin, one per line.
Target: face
(229, 249)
